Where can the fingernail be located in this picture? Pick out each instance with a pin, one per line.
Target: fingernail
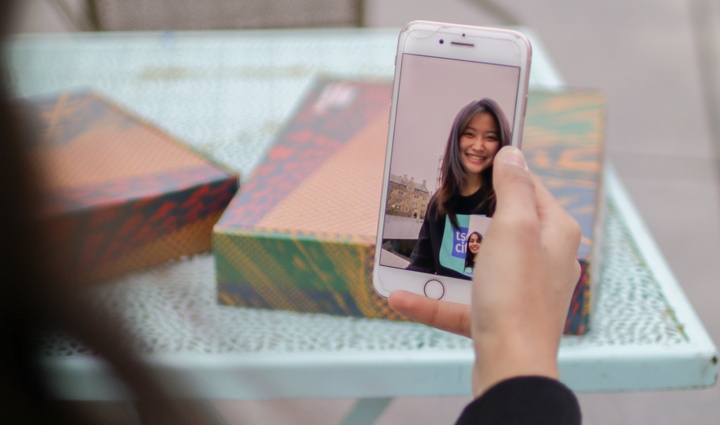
(512, 156)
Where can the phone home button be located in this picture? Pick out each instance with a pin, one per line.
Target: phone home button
(434, 289)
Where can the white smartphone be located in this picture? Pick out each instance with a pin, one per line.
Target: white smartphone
(459, 95)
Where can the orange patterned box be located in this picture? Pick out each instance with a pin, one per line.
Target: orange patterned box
(123, 194)
(300, 234)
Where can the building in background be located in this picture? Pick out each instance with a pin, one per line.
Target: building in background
(406, 197)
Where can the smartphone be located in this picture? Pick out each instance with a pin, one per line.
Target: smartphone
(459, 95)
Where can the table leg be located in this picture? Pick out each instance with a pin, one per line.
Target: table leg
(366, 411)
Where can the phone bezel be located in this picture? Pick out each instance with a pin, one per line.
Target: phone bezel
(460, 42)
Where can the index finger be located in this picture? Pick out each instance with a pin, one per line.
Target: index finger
(443, 315)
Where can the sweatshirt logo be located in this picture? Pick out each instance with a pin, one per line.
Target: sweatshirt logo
(452, 250)
(459, 245)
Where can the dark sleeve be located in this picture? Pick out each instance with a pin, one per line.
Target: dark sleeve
(422, 259)
(529, 400)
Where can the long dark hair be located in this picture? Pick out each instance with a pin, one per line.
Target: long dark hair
(452, 171)
(38, 294)
(469, 256)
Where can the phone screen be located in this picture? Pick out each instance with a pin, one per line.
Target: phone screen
(452, 116)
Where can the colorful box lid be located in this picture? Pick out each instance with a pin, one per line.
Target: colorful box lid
(323, 176)
(318, 192)
(122, 193)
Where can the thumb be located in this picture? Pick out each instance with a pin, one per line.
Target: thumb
(513, 184)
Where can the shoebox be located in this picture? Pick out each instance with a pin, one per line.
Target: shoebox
(123, 195)
(300, 234)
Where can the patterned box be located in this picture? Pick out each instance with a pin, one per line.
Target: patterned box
(123, 194)
(300, 234)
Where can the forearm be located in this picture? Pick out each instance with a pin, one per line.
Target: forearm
(526, 400)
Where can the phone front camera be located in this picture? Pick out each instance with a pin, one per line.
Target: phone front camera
(442, 41)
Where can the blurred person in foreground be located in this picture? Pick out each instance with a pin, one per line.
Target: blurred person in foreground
(520, 297)
(38, 295)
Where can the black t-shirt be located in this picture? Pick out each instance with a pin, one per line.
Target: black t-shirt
(426, 254)
(529, 400)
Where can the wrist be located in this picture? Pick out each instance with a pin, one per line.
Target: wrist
(496, 361)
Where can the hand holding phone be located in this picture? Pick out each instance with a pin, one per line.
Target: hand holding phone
(459, 96)
(527, 271)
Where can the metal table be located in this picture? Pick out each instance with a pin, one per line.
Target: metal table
(226, 93)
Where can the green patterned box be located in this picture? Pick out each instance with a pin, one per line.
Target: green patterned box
(300, 234)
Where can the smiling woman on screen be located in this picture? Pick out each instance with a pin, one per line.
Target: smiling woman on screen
(478, 132)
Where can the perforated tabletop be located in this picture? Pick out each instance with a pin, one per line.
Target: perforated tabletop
(227, 93)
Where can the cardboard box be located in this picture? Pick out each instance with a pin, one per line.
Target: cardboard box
(300, 234)
(123, 194)
(563, 141)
